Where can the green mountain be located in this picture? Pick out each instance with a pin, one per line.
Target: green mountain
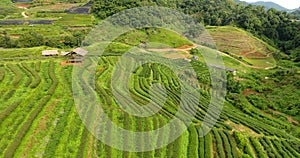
(270, 5)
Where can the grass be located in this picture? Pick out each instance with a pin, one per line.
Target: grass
(23, 52)
(266, 62)
(75, 20)
(153, 37)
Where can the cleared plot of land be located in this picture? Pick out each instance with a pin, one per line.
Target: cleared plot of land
(54, 7)
(239, 43)
(75, 20)
(154, 38)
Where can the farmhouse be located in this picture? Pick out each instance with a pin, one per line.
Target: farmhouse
(50, 52)
(76, 55)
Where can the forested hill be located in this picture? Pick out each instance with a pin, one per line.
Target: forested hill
(275, 27)
(296, 13)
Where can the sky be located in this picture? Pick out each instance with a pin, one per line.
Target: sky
(290, 4)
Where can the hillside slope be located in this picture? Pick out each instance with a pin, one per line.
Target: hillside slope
(239, 43)
(38, 106)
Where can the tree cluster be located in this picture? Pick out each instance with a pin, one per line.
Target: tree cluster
(34, 39)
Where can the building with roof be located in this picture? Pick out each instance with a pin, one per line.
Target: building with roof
(76, 55)
(50, 52)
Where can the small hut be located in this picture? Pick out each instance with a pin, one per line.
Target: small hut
(50, 52)
(76, 55)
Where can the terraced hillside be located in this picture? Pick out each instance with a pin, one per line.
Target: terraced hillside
(38, 116)
(237, 42)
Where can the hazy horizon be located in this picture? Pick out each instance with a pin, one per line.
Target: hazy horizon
(289, 4)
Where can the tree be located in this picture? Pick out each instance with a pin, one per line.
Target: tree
(232, 85)
(31, 39)
(5, 41)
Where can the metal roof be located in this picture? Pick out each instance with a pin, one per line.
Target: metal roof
(80, 51)
(50, 52)
(64, 53)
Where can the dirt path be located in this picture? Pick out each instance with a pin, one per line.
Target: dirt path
(247, 65)
(184, 48)
(242, 63)
(24, 15)
(289, 118)
(247, 53)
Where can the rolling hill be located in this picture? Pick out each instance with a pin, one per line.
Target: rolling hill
(237, 42)
(38, 105)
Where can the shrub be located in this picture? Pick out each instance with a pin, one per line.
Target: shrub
(219, 143)
(25, 127)
(193, 142)
(53, 78)
(2, 73)
(36, 76)
(226, 144)
(208, 146)
(258, 148)
(17, 72)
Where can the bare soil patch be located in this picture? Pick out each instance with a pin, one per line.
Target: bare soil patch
(56, 6)
(14, 35)
(238, 79)
(24, 6)
(289, 118)
(249, 91)
(175, 56)
(64, 63)
(256, 55)
(186, 47)
(241, 128)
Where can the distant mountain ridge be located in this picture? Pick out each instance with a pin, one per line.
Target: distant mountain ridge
(267, 5)
(270, 5)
